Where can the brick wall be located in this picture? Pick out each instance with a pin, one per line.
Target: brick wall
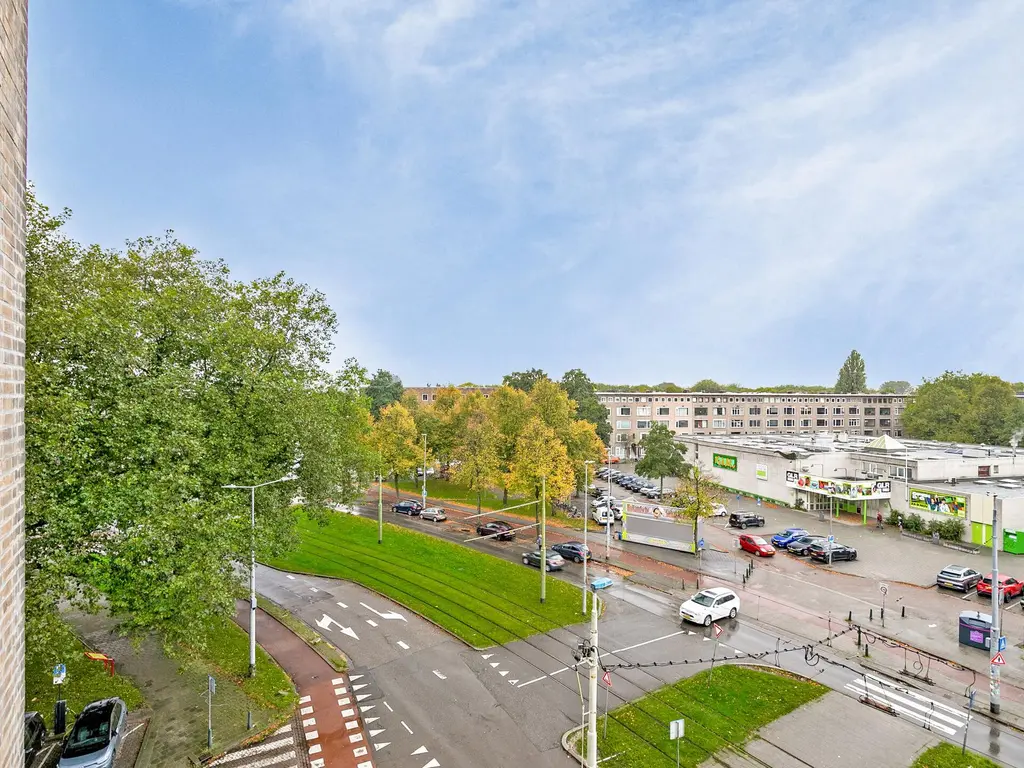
(13, 52)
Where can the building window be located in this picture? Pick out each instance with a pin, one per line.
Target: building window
(885, 422)
(869, 411)
(773, 410)
(622, 424)
(663, 411)
(837, 422)
(822, 411)
(773, 422)
(624, 410)
(737, 411)
(853, 422)
(700, 423)
(755, 411)
(642, 424)
(643, 410)
(754, 423)
(853, 410)
(869, 422)
(718, 424)
(682, 410)
(789, 410)
(789, 422)
(884, 411)
(805, 410)
(822, 422)
(837, 411)
(663, 422)
(700, 410)
(737, 423)
(718, 410)
(622, 438)
(682, 423)
(426, 396)
(805, 423)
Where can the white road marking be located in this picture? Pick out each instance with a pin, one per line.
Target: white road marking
(266, 762)
(432, 764)
(304, 700)
(313, 589)
(308, 722)
(316, 749)
(355, 677)
(406, 726)
(348, 713)
(344, 702)
(366, 707)
(371, 622)
(361, 696)
(306, 711)
(386, 614)
(495, 663)
(359, 686)
(513, 682)
(646, 642)
(420, 751)
(502, 672)
(283, 729)
(342, 605)
(351, 725)
(353, 738)
(360, 751)
(318, 763)
(388, 706)
(377, 746)
(325, 623)
(403, 646)
(919, 708)
(375, 731)
(133, 730)
(338, 681)
(340, 691)
(440, 676)
(290, 576)
(364, 764)
(535, 680)
(486, 655)
(369, 720)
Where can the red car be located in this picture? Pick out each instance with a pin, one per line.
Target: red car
(1008, 586)
(756, 545)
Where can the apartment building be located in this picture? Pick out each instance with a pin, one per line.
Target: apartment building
(429, 394)
(632, 414)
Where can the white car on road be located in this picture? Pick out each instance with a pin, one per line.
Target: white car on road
(710, 605)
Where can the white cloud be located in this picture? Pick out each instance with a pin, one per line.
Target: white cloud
(779, 171)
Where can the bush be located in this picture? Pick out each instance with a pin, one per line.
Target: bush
(952, 530)
(914, 523)
(894, 517)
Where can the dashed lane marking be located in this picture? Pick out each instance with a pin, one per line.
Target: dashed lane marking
(315, 749)
(290, 577)
(440, 676)
(313, 589)
(406, 726)
(403, 646)
(305, 700)
(371, 622)
(342, 605)
(388, 706)
(338, 681)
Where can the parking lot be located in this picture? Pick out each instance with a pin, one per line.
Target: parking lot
(127, 753)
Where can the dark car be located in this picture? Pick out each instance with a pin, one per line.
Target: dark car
(35, 733)
(573, 550)
(96, 735)
(802, 546)
(407, 508)
(554, 560)
(745, 520)
(958, 577)
(499, 529)
(820, 551)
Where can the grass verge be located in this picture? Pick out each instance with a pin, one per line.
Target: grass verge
(326, 651)
(946, 755)
(477, 597)
(226, 650)
(87, 681)
(721, 708)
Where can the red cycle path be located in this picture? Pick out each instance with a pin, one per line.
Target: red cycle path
(328, 709)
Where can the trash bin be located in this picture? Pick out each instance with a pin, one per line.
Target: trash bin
(976, 629)
(1013, 542)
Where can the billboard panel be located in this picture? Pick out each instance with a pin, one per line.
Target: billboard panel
(658, 526)
(722, 461)
(843, 489)
(938, 502)
(761, 471)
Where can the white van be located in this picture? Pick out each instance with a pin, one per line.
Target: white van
(602, 516)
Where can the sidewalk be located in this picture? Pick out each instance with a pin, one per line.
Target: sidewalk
(329, 709)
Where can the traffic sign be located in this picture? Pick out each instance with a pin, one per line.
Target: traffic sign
(700, 544)
(1002, 644)
(211, 684)
(997, 660)
(60, 672)
(676, 729)
(884, 589)
(718, 631)
(607, 678)
(831, 539)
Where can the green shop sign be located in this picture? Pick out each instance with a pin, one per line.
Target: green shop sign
(724, 462)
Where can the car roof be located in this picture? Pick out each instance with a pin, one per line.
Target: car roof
(717, 591)
(958, 568)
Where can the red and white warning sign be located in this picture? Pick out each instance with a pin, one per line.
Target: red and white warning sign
(607, 678)
(997, 660)
(718, 631)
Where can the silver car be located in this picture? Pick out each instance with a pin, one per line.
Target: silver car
(958, 577)
(434, 514)
(96, 735)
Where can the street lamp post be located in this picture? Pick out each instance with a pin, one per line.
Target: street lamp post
(607, 531)
(252, 562)
(424, 470)
(586, 524)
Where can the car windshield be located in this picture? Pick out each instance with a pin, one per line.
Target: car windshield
(91, 733)
(703, 598)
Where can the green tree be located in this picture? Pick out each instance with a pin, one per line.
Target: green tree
(476, 453)
(395, 440)
(524, 380)
(580, 390)
(443, 423)
(852, 377)
(510, 411)
(898, 387)
(152, 379)
(383, 389)
(696, 496)
(540, 454)
(967, 408)
(707, 385)
(663, 455)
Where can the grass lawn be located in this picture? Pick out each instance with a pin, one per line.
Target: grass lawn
(724, 711)
(86, 682)
(227, 652)
(946, 755)
(477, 597)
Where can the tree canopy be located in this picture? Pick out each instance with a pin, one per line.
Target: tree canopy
(524, 380)
(852, 377)
(898, 387)
(588, 408)
(663, 455)
(707, 385)
(383, 389)
(965, 408)
(152, 379)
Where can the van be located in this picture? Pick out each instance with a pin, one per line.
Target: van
(602, 516)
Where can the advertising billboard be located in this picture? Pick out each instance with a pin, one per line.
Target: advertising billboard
(657, 526)
(761, 471)
(722, 461)
(937, 502)
(842, 489)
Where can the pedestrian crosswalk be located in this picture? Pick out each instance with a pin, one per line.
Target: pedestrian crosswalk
(930, 714)
(278, 750)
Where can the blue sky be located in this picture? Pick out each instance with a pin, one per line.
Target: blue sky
(648, 190)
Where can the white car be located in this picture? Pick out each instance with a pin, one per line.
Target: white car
(602, 516)
(710, 605)
(720, 510)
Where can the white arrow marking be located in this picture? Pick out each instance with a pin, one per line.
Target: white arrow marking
(377, 731)
(361, 696)
(369, 720)
(359, 686)
(432, 764)
(325, 623)
(366, 707)
(690, 633)
(420, 751)
(291, 577)
(439, 675)
(513, 682)
(706, 639)
(495, 663)
(377, 747)
(502, 672)
(354, 677)
(386, 614)
(486, 655)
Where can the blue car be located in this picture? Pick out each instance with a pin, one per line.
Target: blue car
(787, 536)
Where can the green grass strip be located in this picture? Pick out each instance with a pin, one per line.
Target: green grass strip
(946, 755)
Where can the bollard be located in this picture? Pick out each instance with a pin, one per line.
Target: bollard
(850, 617)
(867, 653)
(683, 581)
(881, 615)
(903, 612)
(858, 637)
(744, 578)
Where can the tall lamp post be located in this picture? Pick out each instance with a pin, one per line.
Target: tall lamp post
(424, 470)
(252, 561)
(586, 524)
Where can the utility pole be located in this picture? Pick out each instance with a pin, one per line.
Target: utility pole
(608, 524)
(993, 698)
(543, 538)
(594, 660)
(586, 524)
(380, 507)
(424, 470)
(831, 538)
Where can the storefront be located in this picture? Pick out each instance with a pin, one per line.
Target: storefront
(863, 498)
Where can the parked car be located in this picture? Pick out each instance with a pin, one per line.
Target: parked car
(745, 520)
(602, 515)
(35, 733)
(720, 510)
(756, 545)
(820, 551)
(499, 529)
(802, 546)
(419, 471)
(95, 736)
(554, 560)
(783, 538)
(958, 577)
(710, 605)
(434, 514)
(653, 493)
(410, 508)
(573, 550)
(1008, 586)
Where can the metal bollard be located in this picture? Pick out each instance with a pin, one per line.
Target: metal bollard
(849, 617)
(881, 614)
(903, 612)
(867, 653)
(871, 614)
(858, 637)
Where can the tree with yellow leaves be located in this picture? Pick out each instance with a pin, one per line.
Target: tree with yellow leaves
(394, 438)
(509, 410)
(476, 452)
(539, 454)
